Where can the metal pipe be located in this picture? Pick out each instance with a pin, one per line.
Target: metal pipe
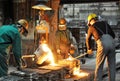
(27, 56)
(81, 55)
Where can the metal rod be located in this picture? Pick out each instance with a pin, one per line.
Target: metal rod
(81, 55)
(27, 56)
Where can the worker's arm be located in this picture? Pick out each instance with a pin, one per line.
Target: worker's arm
(17, 49)
(57, 41)
(88, 39)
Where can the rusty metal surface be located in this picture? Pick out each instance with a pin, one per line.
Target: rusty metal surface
(39, 71)
(50, 73)
(88, 77)
(24, 74)
(41, 74)
(49, 67)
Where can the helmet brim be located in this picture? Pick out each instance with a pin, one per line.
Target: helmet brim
(25, 31)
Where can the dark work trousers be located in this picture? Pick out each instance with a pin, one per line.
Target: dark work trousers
(105, 50)
(3, 65)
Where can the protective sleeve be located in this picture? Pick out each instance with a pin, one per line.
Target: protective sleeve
(17, 48)
(92, 32)
(88, 39)
(57, 40)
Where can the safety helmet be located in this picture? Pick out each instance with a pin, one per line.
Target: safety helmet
(62, 21)
(62, 24)
(24, 24)
(91, 16)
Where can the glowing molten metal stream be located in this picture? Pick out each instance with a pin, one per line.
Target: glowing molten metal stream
(49, 55)
(76, 69)
(71, 61)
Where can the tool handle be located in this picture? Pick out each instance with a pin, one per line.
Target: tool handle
(81, 55)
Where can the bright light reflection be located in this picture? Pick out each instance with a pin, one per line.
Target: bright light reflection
(49, 54)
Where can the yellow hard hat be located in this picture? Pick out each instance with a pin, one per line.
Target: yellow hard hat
(24, 23)
(91, 16)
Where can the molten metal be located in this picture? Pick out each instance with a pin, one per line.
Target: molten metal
(46, 55)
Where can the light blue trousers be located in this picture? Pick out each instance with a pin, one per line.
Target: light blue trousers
(105, 50)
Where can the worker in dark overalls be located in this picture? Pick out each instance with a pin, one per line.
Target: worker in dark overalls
(10, 37)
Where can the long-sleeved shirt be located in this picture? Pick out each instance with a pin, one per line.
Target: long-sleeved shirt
(62, 38)
(96, 33)
(9, 35)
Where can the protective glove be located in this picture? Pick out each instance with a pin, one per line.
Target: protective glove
(90, 52)
(19, 68)
(58, 51)
(72, 46)
(19, 65)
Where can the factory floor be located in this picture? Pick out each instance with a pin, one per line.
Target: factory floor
(90, 67)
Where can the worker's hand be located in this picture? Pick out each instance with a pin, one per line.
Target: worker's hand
(72, 46)
(89, 52)
(58, 51)
(19, 68)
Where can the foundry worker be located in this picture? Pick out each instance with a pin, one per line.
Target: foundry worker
(10, 37)
(104, 37)
(42, 28)
(63, 40)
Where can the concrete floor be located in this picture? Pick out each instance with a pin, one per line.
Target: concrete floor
(90, 64)
(117, 76)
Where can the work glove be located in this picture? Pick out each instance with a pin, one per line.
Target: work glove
(72, 46)
(19, 65)
(90, 52)
(19, 68)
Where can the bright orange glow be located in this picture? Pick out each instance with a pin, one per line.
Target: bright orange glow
(73, 63)
(76, 68)
(49, 55)
(76, 72)
(70, 58)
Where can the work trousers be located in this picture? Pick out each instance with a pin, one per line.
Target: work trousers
(105, 50)
(3, 65)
